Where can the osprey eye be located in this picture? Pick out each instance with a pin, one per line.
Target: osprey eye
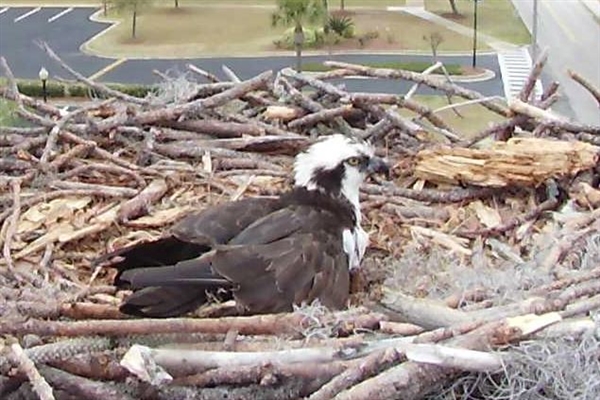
(353, 161)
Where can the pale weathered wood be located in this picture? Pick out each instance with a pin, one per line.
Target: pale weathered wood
(520, 161)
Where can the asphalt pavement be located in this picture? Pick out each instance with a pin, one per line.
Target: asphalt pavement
(572, 35)
(21, 27)
(65, 35)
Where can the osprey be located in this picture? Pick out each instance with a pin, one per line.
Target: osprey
(266, 253)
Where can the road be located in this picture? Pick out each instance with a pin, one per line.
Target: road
(66, 33)
(572, 35)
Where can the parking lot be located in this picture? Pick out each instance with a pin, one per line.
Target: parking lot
(65, 29)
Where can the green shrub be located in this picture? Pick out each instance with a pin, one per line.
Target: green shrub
(367, 37)
(133, 90)
(343, 26)
(78, 90)
(33, 88)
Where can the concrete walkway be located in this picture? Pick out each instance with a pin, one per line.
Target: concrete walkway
(417, 8)
(515, 62)
(516, 66)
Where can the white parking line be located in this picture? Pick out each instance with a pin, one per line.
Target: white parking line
(5, 9)
(27, 14)
(60, 14)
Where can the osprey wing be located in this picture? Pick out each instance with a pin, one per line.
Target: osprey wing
(288, 257)
(219, 224)
(157, 269)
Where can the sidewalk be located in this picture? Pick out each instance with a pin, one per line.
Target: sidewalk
(417, 8)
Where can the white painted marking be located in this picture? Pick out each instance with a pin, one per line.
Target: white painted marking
(515, 66)
(27, 14)
(60, 14)
(5, 9)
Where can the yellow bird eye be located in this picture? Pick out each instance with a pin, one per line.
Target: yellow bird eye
(353, 161)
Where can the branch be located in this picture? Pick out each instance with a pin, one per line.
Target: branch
(433, 82)
(94, 85)
(39, 384)
(586, 84)
(255, 325)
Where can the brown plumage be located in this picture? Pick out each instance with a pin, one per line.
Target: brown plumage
(266, 253)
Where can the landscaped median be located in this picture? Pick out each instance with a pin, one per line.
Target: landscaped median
(205, 29)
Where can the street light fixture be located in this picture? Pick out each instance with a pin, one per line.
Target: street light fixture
(534, 32)
(43, 74)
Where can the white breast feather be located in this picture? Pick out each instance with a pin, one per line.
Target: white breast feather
(355, 243)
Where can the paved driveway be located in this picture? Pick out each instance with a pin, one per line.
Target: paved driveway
(572, 36)
(65, 31)
(64, 35)
(246, 67)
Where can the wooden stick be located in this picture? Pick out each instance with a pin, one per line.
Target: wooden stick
(138, 205)
(39, 384)
(211, 77)
(594, 91)
(12, 224)
(255, 325)
(94, 85)
(534, 75)
(368, 367)
(433, 82)
(427, 71)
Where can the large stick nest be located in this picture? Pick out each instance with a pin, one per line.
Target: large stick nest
(481, 281)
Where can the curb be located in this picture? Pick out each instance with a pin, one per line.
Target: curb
(95, 17)
(484, 76)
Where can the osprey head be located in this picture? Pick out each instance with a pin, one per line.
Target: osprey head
(337, 165)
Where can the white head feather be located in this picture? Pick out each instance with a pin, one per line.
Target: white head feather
(327, 154)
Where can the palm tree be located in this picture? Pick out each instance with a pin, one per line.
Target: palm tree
(298, 13)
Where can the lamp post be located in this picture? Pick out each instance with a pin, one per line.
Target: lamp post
(43, 74)
(534, 29)
(474, 63)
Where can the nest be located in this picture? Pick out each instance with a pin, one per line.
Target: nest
(481, 281)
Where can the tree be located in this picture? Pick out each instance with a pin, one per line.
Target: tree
(176, 3)
(134, 7)
(298, 13)
(343, 5)
(434, 39)
(454, 7)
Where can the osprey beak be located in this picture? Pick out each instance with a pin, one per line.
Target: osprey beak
(378, 166)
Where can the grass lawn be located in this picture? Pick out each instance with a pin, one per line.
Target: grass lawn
(165, 32)
(497, 18)
(190, 32)
(476, 117)
(333, 4)
(7, 115)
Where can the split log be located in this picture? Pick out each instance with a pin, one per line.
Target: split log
(518, 162)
